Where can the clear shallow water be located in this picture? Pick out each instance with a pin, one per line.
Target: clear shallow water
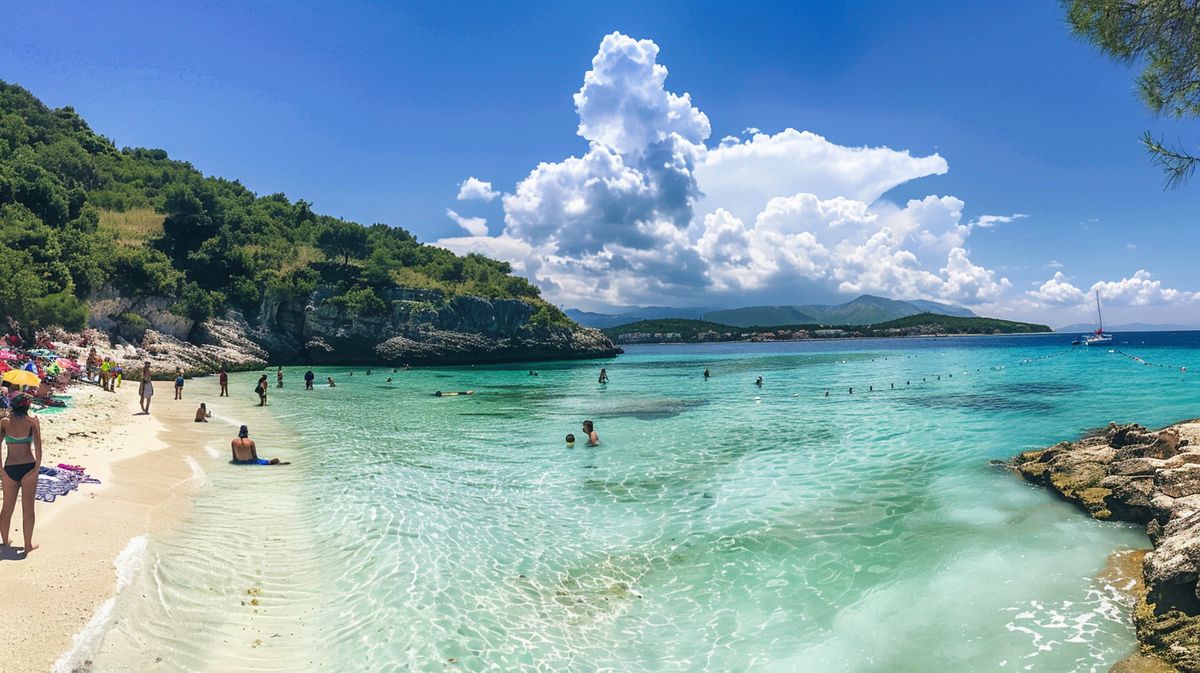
(719, 527)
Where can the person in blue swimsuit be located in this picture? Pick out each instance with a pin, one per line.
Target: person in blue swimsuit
(246, 453)
(22, 433)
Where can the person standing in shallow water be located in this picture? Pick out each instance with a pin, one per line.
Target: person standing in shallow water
(223, 380)
(589, 430)
(308, 379)
(279, 377)
(706, 375)
(178, 383)
(261, 389)
(22, 434)
(603, 376)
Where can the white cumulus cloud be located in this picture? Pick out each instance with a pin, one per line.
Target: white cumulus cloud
(651, 212)
(475, 226)
(474, 188)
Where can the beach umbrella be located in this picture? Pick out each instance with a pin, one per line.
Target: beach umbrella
(20, 377)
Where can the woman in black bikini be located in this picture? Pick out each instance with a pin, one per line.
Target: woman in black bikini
(23, 438)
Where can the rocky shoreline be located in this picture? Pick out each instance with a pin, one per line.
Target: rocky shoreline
(417, 327)
(1129, 473)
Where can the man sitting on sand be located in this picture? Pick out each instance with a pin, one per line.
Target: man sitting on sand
(246, 453)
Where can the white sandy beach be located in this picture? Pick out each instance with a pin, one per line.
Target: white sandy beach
(54, 593)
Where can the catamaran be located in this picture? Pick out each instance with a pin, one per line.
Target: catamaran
(1099, 337)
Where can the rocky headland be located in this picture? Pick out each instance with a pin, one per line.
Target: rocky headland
(1129, 473)
(418, 327)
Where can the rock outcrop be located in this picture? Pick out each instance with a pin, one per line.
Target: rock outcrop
(418, 327)
(1129, 473)
(414, 326)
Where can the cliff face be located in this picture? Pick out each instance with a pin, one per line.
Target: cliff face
(417, 327)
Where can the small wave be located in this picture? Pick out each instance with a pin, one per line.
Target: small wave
(199, 476)
(212, 452)
(87, 642)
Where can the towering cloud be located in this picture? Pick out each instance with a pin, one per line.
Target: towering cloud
(650, 212)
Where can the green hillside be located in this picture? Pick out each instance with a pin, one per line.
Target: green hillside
(78, 214)
(760, 315)
(961, 325)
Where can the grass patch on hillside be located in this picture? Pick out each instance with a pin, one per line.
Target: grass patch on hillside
(133, 227)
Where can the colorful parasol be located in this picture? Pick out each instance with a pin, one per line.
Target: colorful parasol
(20, 377)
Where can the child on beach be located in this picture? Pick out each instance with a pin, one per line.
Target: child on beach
(178, 383)
(589, 429)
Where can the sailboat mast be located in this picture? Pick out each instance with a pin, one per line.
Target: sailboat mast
(1099, 316)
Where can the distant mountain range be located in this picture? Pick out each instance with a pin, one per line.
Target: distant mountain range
(864, 310)
(1082, 327)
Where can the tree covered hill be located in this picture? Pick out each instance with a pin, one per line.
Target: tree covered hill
(77, 214)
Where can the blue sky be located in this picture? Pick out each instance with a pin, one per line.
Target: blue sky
(377, 112)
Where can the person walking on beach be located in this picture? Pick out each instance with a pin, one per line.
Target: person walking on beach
(246, 453)
(22, 433)
(261, 389)
(146, 390)
(223, 381)
(308, 379)
(603, 376)
(589, 429)
(178, 383)
(279, 377)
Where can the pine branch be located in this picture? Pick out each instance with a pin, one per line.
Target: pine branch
(1177, 164)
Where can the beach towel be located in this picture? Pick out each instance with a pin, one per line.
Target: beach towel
(55, 481)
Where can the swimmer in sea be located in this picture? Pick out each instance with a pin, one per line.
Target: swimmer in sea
(758, 382)
(389, 379)
(706, 374)
(329, 379)
(590, 430)
(570, 440)
(246, 453)
(203, 414)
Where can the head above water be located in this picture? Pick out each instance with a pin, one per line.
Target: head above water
(588, 426)
(243, 432)
(570, 438)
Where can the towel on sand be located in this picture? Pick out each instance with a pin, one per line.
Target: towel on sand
(55, 481)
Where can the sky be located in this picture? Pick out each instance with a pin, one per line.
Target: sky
(683, 154)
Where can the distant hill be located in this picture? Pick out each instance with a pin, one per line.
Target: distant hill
(1128, 327)
(761, 315)
(922, 324)
(687, 329)
(631, 314)
(864, 310)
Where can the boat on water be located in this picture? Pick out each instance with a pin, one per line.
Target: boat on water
(1099, 337)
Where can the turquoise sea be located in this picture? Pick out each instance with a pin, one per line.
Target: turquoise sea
(719, 526)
